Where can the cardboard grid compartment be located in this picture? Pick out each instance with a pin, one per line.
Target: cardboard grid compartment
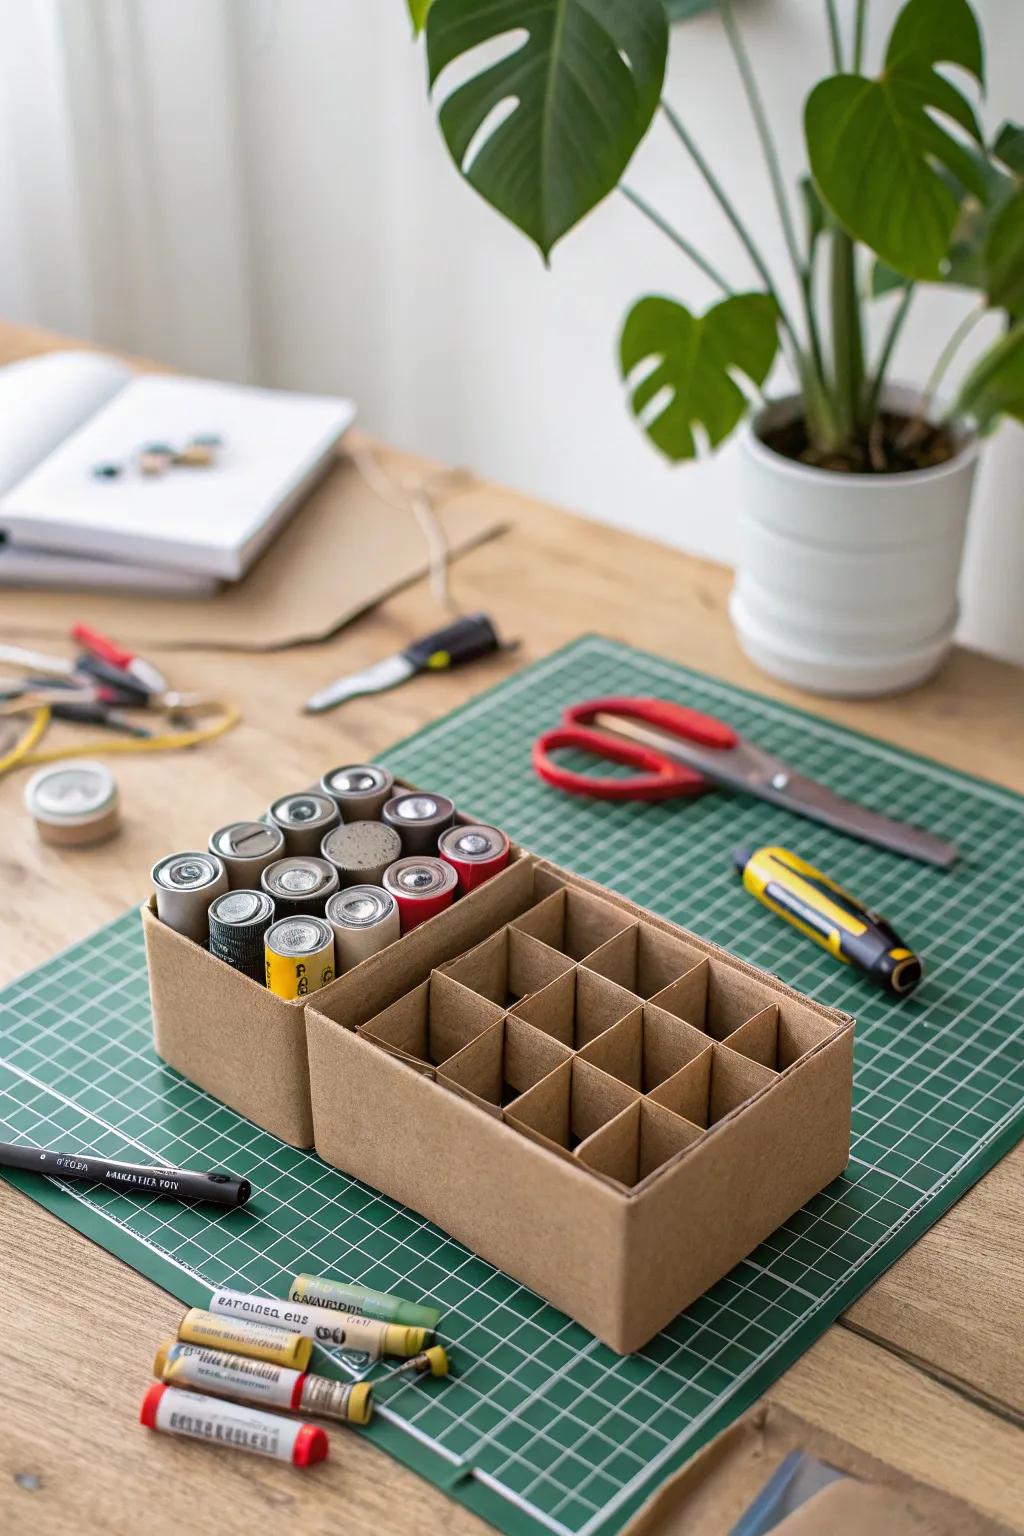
(544, 1430)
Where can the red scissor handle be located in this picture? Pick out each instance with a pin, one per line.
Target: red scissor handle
(661, 778)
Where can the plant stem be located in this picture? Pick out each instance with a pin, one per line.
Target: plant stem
(981, 375)
(885, 355)
(946, 356)
(676, 238)
(834, 36)
(859, 29)
(847, 334)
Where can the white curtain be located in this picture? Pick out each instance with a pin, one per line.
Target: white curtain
(257, 189)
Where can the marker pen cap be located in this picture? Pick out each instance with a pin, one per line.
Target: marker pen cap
(401, 1340)
(360, 1402)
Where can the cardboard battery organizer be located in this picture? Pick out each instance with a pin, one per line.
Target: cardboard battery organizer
(598, 1102)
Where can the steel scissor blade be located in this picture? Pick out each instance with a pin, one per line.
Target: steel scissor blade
(751, 771)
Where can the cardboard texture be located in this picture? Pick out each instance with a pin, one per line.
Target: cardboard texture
(710, 1493)
(603, 1105)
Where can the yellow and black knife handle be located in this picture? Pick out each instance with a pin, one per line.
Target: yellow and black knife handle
(829, 915)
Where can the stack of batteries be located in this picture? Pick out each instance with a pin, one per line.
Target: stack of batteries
(329, 876)
(249, 1353)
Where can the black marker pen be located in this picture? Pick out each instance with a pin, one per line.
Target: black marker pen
(134, 1178)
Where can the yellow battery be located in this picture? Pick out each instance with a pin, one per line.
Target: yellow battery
(299, 954)
(238, 1336)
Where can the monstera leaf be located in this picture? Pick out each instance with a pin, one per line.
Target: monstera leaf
(1004, 257)
(545, 132)
(692, 359)
(1009, 147)
(876, 147)
(418, 10)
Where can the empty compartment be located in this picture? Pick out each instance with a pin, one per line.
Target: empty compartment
(712, 1085)
(781, 1034)
(646, 1047)
(578, 1007)
(568, 1105)
(639, 1141)
(644, 959)
(502, 1063)
(508, 966)
(716, 997)
(432, 1022)
(573, 921)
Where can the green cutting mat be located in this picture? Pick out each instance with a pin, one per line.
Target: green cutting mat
(543, 1429)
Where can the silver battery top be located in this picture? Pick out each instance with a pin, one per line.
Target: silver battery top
(417, 807)
(356, 779)
(475, 842)
(187, 871)
(420, 877)
(298, 876)
(298, 936)
(241, 909)
(66, 791)
(247, 840)
(303, 810)
(361, 906)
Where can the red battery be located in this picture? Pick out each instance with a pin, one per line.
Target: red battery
(421, 888)
(475, 853)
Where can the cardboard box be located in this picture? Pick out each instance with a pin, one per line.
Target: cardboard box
(597, 1102)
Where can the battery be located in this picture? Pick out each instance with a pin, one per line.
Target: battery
(238, 924)
(185, 885)
(246, 848)
(299, 885)
(256, 1341)
(174, 1412)
(322, 1291)
(258, 1381)
(421, 887)
(299, 955)
(365, 919)
(359, 790)
(475, 853)
(325, 1326)
(419, 820)
(304, 818)
(361, 851)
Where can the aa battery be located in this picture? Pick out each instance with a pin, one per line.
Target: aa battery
(419, 819)
(359, 790)
(299, 956)
(238, 925)
(475, 853)
(246, 848)
(421, 887)
(299, 885)
(256, 1341)
(322, 1324)
(365, 919)
(185, 885)
(304, 818)
(173, 1412)
(340, 1296)
(361, 851)
(257, 1381)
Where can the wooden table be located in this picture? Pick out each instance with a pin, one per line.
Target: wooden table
(926, 1371)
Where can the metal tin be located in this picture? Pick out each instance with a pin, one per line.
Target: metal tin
(360, 790)
(304, 818)
(299, 885)
(421, 887)
(246, 848)
(185, 885)
(419, 819)
(73, 803)
(361, 851)
(299, 954)
(365, 919)
(475, 852)
(238, 924)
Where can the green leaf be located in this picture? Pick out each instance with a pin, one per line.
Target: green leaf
(884, 280)
(1004, 257)
(682, 10)
(995, 385)
(584, 85)
(418, 12)
(693, 357)
(876, 147)
(1009, 147)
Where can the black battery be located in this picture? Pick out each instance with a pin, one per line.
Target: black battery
(238, 924)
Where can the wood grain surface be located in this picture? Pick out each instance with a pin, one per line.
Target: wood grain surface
(932, 1378)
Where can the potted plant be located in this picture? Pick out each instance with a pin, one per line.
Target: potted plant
(856, 491)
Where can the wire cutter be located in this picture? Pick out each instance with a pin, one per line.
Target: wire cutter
(680, 751)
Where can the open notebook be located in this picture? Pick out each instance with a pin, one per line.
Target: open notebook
(63, 414)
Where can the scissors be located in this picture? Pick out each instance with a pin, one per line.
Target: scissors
(680, 751)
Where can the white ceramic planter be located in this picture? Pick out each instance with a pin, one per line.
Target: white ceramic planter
(847, 584)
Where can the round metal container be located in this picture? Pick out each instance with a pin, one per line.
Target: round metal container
(475, 852)
(299, 885)
(361, 851)
(299, 955)
(421, 887)
(419, 819)
(238, 924)
(365, 919)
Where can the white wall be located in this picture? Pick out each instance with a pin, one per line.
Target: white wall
(313, 188)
